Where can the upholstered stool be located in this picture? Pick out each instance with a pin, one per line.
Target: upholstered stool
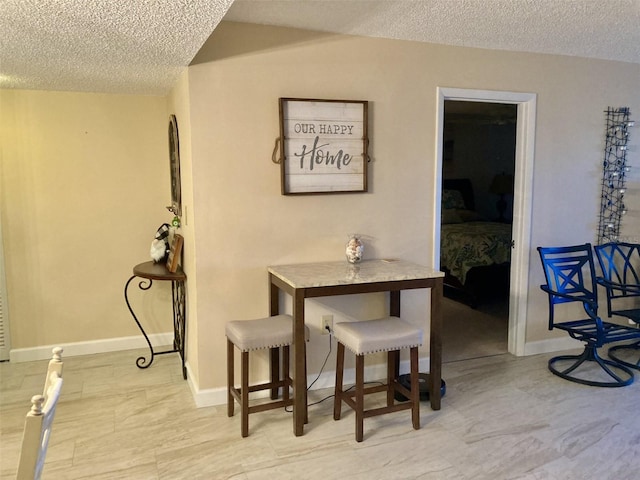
(274, 333)
(389, 335)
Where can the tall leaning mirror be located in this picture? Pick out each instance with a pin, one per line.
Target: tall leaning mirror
(174, 158)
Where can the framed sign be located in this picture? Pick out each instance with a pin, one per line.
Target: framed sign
(324, 146)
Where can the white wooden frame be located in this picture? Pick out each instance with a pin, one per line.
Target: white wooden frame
(324, 146)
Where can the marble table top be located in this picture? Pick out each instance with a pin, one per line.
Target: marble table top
(324, 274)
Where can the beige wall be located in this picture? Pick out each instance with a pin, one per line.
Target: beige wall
(85, 178)
(244, 223)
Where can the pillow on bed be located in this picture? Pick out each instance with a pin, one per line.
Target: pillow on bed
(459, 215)
(452, 199)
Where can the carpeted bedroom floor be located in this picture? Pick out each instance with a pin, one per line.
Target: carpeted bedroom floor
(473, 333)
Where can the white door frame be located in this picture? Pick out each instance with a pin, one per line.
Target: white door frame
(522, 203)
(5, 337)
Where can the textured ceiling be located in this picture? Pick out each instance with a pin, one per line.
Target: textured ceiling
(112, 46)
(605, 29)
(141, 46)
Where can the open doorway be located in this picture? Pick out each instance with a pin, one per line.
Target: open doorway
(479, 147)
(520, 209)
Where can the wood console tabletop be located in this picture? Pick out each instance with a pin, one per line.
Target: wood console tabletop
(157, 271)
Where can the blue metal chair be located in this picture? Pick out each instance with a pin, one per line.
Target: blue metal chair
(570, 276)
(620, 265)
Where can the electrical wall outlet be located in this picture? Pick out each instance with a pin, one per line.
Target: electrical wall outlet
(327, 324)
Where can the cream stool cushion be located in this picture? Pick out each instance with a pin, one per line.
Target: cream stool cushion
(269, 332)
(381, 335)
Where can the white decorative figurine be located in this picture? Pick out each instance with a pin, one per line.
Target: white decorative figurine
(160, 245)
(355, 249)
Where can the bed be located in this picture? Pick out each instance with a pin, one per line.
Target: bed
(474, 253)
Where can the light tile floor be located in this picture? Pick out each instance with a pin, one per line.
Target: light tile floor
(502, 418)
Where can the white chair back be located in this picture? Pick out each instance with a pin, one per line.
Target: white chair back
(39, 421)
(55, 366)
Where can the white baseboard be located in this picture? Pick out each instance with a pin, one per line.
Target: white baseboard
(203, 398)
(552, 345)
(88, 348)
(218, 396)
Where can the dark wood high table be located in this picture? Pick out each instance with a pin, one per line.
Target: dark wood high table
(148, 272)
(314, 280)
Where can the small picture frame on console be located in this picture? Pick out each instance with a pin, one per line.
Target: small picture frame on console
(174, 254)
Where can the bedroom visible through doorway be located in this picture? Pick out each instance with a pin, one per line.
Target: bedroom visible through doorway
(522, 198)
(478, 168)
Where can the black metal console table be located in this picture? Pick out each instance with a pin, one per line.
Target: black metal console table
(148, 272)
